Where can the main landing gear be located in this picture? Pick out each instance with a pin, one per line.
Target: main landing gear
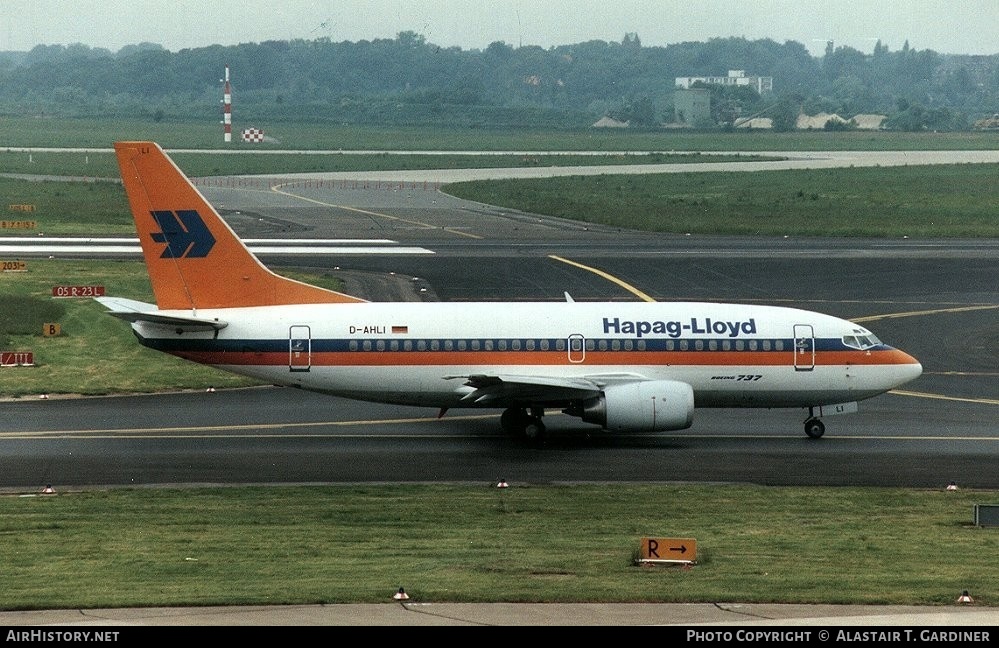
(519, 423)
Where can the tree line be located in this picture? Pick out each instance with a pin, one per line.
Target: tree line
(407, 80)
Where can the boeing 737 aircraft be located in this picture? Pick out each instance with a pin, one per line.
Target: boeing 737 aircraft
(635, 367)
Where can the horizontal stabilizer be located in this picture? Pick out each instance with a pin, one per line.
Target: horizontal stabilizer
(134, 311)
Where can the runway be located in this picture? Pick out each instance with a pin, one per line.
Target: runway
(284, 436)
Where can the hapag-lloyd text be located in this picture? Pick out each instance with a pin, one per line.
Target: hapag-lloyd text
(676, 328)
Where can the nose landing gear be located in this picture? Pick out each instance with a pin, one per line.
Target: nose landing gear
(814, 428)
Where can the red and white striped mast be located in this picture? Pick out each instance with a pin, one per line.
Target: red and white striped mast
(227, 107)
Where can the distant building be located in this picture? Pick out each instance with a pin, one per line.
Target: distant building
(610, 122)
(762, 85)
(754, 122)
(818, 122)
(860, 122)
(988, 123)
(869, 122)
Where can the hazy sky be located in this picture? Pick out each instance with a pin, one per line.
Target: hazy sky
(947, 26)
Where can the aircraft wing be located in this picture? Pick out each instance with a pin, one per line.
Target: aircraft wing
(134, 311)
(485, 389)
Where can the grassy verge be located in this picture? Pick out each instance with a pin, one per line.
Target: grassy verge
(65, 208)
(16, 131)
(357, 544)
(95, 353)
(918, 202)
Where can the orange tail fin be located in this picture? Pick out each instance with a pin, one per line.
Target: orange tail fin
(194, 258)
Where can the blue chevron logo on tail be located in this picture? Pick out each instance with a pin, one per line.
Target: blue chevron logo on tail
(184, 233)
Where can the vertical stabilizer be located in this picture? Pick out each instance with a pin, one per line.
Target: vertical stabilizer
(193, 257)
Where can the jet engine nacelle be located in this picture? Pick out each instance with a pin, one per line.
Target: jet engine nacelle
(649, 406)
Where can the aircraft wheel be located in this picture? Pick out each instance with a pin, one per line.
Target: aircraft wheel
(814, 428)
(534, 432)
(514, 420)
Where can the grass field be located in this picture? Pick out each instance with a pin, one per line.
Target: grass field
(21, 131)
(940, 201)
(95, 354)
(478, 543)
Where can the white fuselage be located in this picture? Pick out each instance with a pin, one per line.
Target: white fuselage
(419, 353)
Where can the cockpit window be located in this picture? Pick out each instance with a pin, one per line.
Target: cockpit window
(861, 342)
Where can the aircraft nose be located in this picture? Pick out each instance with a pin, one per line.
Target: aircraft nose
(906, 368)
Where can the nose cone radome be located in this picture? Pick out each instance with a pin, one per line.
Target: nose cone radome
(906, 368)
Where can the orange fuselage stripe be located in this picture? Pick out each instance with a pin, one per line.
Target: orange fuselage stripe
(549, 358)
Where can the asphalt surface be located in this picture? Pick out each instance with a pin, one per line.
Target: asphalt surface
(272, 435)
(410, 613)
